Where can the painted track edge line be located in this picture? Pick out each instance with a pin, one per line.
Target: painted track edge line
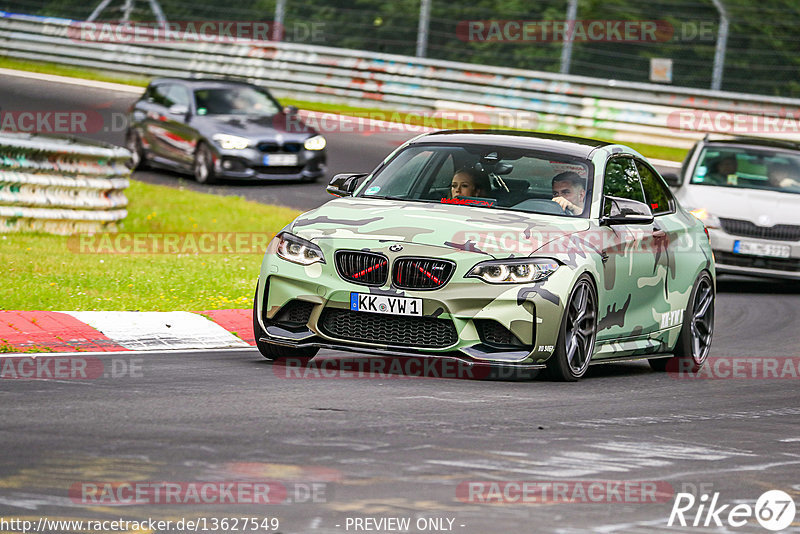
(96, 84)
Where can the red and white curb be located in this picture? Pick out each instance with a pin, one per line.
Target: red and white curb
(110, 331)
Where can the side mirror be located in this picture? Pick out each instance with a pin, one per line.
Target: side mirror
(343, 185)
(672, 179)
(179, 109)
(291, 110)
(618, 210)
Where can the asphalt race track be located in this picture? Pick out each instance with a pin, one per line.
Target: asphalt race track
(347, 151)
(392, 445)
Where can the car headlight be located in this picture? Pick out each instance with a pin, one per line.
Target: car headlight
(297, 250)
(709, 220)
(315, 143)
(514, 271)
(231, 142)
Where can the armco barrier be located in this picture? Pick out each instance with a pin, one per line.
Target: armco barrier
(623, 111)
(61, 185)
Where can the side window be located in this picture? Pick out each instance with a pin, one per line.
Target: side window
(656, 192)
(177, 94)
(161, 95)
(622, 180)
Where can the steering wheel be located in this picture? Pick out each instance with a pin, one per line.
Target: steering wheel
(541, 205)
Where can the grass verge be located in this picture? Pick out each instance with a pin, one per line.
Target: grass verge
(650, 151)
(46, 272)
(5, 348)
(43, 67)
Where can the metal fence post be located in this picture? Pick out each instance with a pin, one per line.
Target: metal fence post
(722, 40)
(280, 13)
(422, 31)
(566, 51)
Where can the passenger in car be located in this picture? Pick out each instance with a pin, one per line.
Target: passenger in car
(569, 192)
(468, 182)
(782, 175)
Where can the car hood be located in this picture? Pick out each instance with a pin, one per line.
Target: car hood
(748, 204)
(260, 127)
(482, 230)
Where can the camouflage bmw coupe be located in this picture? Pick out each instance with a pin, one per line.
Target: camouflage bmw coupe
(500, 248)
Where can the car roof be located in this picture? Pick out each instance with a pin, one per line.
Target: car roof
(564, 144)
(202, 82)
(742, 141)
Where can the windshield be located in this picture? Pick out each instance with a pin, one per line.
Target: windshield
(487, 177)
(748, 168)
(234, 101)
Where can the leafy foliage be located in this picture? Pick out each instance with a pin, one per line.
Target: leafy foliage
(761, 56)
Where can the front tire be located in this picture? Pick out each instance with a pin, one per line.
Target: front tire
(203, 166)
(134, 145)
(575, 344)
(273, 352)
(694, 342)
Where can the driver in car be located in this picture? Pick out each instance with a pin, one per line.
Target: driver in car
(569, 192)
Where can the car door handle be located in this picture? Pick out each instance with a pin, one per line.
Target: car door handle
(659, 234)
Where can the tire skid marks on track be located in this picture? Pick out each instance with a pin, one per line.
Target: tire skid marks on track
(680, 418)
(615, 457)
(340, 443)
(758, 468)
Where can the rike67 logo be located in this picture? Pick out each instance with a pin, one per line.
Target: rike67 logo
(774, 510)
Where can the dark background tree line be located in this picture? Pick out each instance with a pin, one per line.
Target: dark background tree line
(763, 54)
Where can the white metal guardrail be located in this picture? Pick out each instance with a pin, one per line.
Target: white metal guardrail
(623, 111)
(60, 185)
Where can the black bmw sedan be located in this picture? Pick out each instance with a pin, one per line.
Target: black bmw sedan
(222, 129)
